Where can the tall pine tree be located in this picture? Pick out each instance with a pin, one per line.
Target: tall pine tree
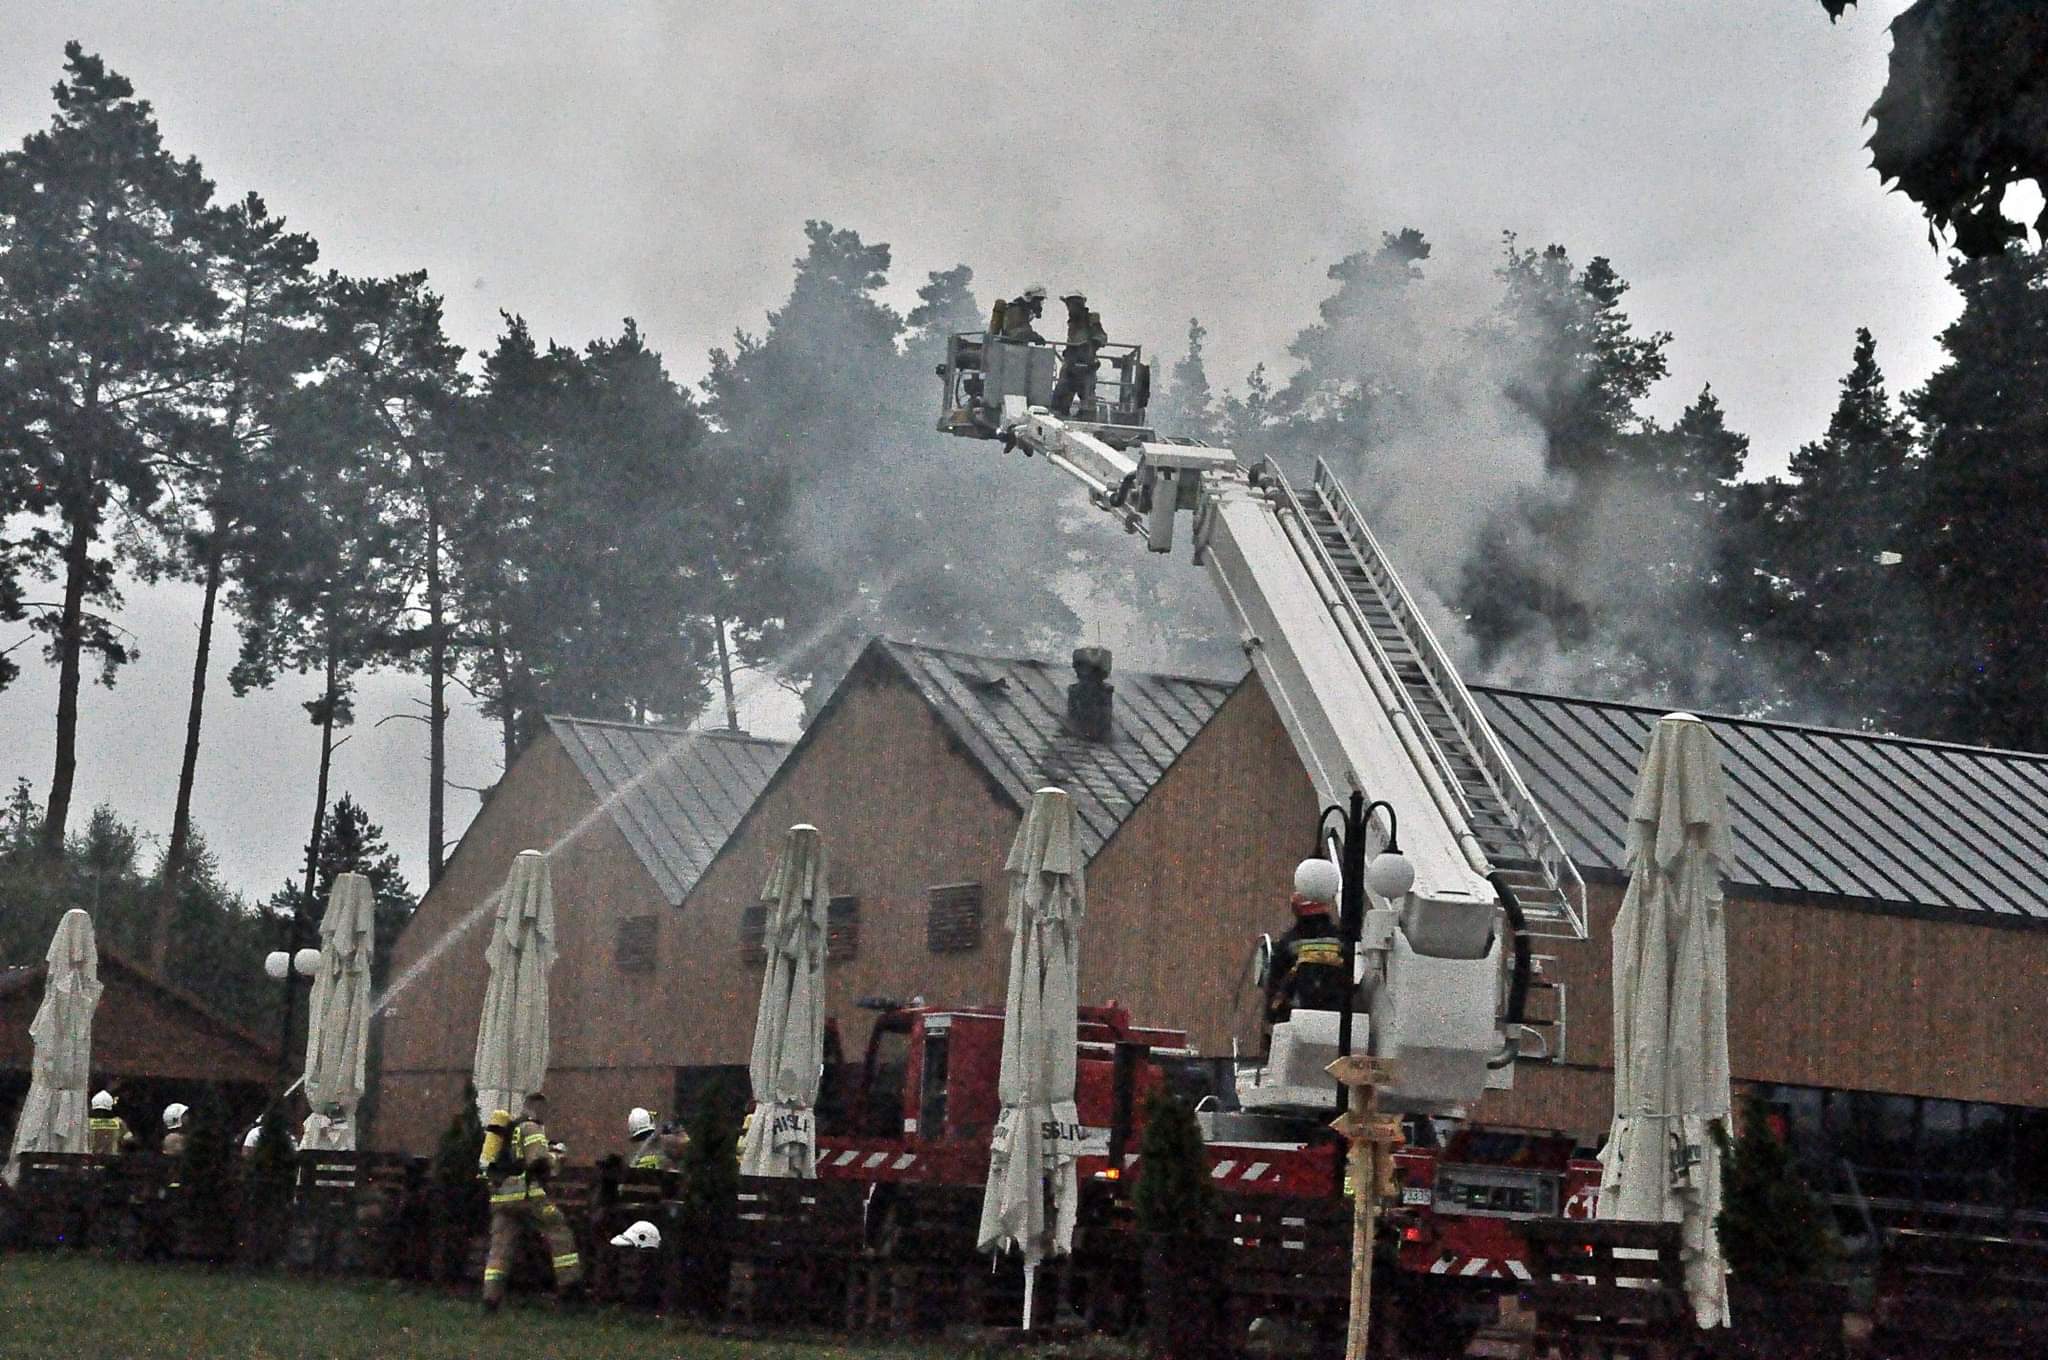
(1981, 540)
(103, 289)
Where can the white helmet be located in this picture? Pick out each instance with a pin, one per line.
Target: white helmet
(642, 1236)
(1318, 880)
(1035, 293)
(102, 1101)
(174, 1115)
(252, 1137)
(639, 1122)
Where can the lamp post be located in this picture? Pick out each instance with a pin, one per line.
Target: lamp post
(1371, 1135)
(289, 968)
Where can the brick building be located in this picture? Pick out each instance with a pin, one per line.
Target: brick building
(152, 1043)
(1888, 914)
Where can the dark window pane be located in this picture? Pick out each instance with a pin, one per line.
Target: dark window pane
(953, 920)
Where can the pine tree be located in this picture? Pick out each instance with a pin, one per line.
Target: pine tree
(252, 358)
(1772, 1229)
(1186, 406)
(1978, 541)
(1826, 542)
(103, 288)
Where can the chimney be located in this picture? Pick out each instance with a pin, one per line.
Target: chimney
(1088, 698)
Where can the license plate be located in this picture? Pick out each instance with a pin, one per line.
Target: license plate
(1417, 1195)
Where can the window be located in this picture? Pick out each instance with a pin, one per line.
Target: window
(754, 935)
(953, 920)
(634, 951)
(842, 928)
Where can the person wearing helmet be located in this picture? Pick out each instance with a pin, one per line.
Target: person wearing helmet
(644, 1150)
(175, 1117)
(1019, 312)
(1308, 961)
(1085, 338)
(106, 1133)
(517, 1159)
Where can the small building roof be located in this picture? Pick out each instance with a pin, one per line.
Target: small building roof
(1010, 715)
(675, 794)
(1916, 826)
(164, 1042)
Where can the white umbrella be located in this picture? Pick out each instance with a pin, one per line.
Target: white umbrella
(1671, 1086)
(1038, 1133)
(512, 1037)
(789, 1025)
(54, 1117)
(338, 1017)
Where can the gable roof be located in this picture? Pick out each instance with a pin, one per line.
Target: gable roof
(1915, 826)
(676, 795)
(1010, 715)
(114, 966)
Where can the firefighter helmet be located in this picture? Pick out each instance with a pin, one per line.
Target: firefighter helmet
(639, 1122)
(103, 1102)
(1318, 878)
(642, 1236)
(174, 1115)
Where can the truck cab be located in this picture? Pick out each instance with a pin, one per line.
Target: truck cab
(982, 369)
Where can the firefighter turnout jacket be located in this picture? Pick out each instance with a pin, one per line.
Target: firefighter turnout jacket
(108, 1135)
(1308, 969)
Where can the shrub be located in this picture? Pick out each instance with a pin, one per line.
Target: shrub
(1173, 1193)
(1773, 1230)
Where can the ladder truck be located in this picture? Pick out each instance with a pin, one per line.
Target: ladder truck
(1371, 705)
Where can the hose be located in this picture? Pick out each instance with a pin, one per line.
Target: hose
(1518, 980)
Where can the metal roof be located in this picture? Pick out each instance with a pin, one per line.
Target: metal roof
(675, 795)
(1011, 716)
(1907, 824)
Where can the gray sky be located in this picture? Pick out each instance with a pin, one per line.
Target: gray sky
(582, 163)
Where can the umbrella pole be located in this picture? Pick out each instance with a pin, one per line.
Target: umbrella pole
(1373, 1138)
(1030, 1282)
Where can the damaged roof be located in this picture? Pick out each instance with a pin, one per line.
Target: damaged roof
(679, 793)
(1010, 715)
(1916, 826)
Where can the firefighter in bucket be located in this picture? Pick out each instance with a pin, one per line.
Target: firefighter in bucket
(1307, 970)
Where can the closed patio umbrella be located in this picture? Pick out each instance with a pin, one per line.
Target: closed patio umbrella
(789, 1023)
(1033, 1192)
(53, 1117)
(338, 1016)
(512, 1036)
(1671, 1085)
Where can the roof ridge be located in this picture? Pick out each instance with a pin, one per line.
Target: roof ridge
(1771, 724)
(716, 733)
(935, 649)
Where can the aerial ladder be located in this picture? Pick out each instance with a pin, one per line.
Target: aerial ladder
(1369, 701)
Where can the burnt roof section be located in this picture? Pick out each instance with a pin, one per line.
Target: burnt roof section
(676, 795)
(1011, 716)
(1917, 826)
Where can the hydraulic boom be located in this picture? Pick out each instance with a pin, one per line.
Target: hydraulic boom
(1364, 691)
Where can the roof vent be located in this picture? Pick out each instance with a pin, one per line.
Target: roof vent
(1089, 697)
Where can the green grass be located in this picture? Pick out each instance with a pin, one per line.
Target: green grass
(63, 1305)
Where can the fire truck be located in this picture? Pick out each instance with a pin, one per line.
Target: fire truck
(923, 1100)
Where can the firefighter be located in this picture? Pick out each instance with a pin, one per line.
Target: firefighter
(1308, 961)
(106, 1133)
(644, 1146)
(1019, 312)
(1085, 338)
(517, 1161)
(175, 1116)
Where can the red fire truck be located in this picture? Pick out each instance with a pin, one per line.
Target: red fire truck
(923, 1102)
